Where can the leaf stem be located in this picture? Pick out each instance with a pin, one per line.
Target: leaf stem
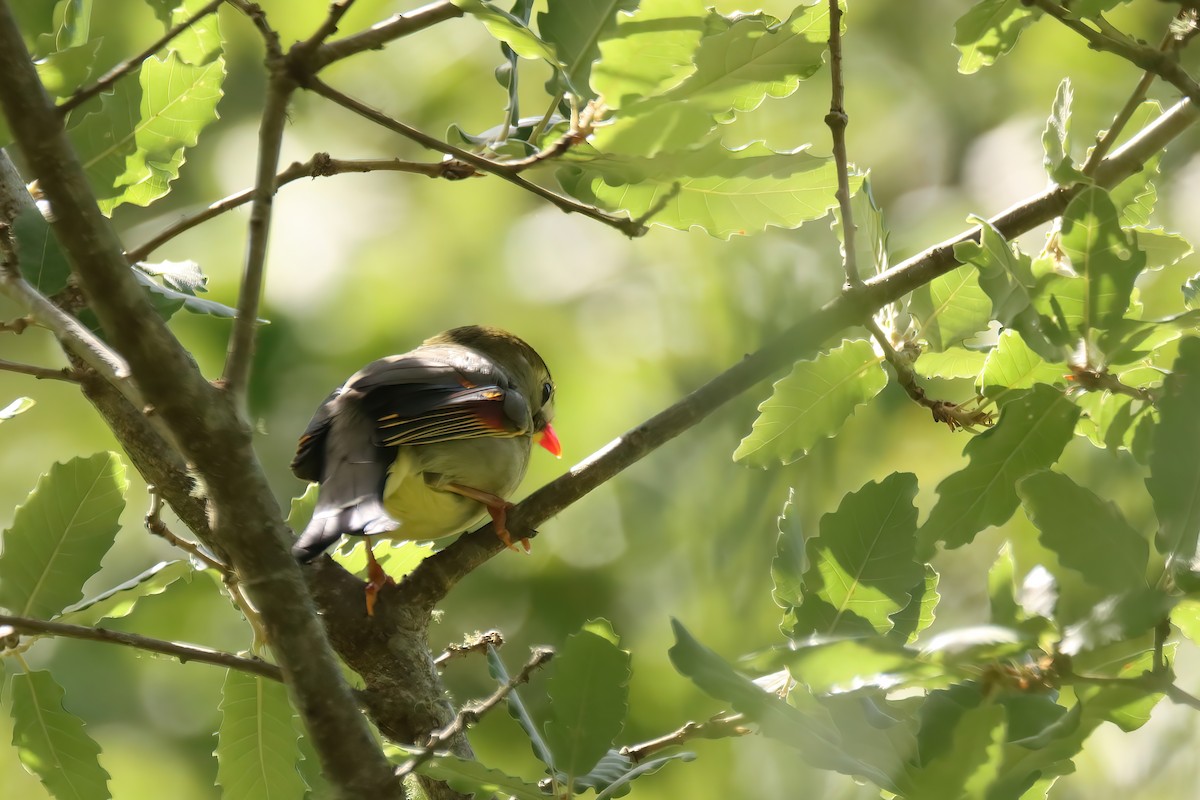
(837, 119)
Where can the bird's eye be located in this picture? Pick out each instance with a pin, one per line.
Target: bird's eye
(547, 391)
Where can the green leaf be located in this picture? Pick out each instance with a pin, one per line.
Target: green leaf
(301, 509)
(1191, 291)
(18, 406)
(870, 235)
(1056, 138)
(187, 300)
(397, 557)
(1002, 588)
(863, 562)
(1032, 432)
(831, 667)
(753, 59)
(722, 191)
(52, 743)
(811, 730)
(65, 71)
(1162, 248)
(1088, 534)
(790, 562)
(811, 403)
(42, 260)
(1012, 364)
(134, 146)
(60, 534)
(1118, 618)
(953, 362)
(504, 27)
(910, 621)
(120, 600)
(618, 787)
(466, 776)
(951, 308)
(589, 697)
(200, 43)
(1104, 254)
(970, 758)
(575, 28)
(1174, 482)
(258, 741)
(660, 39)
(988, 31)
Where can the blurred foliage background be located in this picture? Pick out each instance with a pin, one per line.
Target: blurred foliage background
(361, 266)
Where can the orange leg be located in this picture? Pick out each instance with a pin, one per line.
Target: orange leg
(378, 579)
(497, 508)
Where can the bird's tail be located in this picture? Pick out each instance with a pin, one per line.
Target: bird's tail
(349, 503)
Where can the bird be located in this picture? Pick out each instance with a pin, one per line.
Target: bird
(423, 444)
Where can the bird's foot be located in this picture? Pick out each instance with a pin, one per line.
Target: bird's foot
(377, 579)
(497, 508)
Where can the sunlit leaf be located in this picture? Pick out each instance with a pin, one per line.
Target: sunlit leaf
(953, 362)
(1089, 535)
(588, 693)
(722, 191)
(60, 534)
(988, 31)
(258, 741)
(863, 562)
(961, 748)
(755, 58)
(847, 664)
(1118, 618)
(1162, 248)
(1056, 138)
(119, 601)
(1102, 252)
(65, 71)
(51, 741)
(951, 308)
(18, 406)
(134, 146)
(811, 403)
(575, 28)
(1031, 434)
(509, 29)
(200, 43)
(1174, 481)
(910, 621)
(790, 562)
(660, 38)
(1002, 587)
(1012, 364)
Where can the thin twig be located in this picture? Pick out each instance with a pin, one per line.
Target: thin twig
(17, 325)
(240, 355)
(627, 226)
(328, 28)
(183, 652)
(154, 524)
(476, 644)
(722, 726)
(125, 67)
(958, 416)
(375, 37)
(259, 18)
(42, 373)
(1109, 137)
(70, 331)
(1113, 41)
(473, 712)
(837, 120)
(319, 166)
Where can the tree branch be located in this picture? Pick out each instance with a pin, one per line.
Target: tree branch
(426, 585)
(837, 120)
(473, 712)
(125, 67)
(629, 227)
(183, 652)
(375, 37)
(212, 435)
(41, 373)
(319, 166)
(722, 726)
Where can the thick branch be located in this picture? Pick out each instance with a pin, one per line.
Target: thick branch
(246, 519)
(436, 575)
(183, 652)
